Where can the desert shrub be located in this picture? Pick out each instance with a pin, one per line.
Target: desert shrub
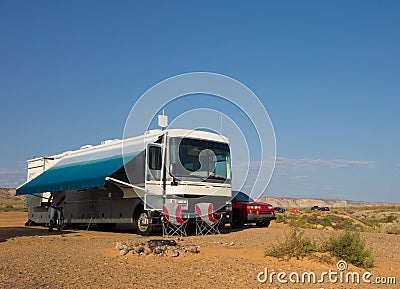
(281, 219)
(336, 219)
(389, 219)
(351, 247)
(373, 222)
(312, 219)
(345, 225)
(295, 245)
(326, 222)
(300, 222)
(393, 230)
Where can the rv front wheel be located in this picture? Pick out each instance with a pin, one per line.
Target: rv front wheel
(143, 223)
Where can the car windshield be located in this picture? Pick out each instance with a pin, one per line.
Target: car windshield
(200, 159)
(241, 197)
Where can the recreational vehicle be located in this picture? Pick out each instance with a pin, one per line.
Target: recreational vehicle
(128, 181)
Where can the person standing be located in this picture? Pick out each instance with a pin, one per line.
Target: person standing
(56, 204)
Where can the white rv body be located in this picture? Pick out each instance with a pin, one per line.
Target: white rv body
(127, 181)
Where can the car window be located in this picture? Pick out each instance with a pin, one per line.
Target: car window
(241, 197)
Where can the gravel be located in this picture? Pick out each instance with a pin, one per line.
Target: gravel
(31, 257)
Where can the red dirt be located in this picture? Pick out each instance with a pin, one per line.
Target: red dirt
(31, 257)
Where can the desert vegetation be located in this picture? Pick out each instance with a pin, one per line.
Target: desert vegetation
(383, 219)
(10, 202)
(345, 245)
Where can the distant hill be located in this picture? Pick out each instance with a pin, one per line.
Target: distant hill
(9, 201)
(308, 203)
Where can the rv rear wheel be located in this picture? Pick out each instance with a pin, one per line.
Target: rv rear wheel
(142, 222)
(30, 223)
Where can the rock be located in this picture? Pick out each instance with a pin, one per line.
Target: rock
(120, 245)
(174, 253)
(159, 243)
(139, 250)
(123, 252)
(158, 250)
(148, 251)
(193, 249)
(231, 243)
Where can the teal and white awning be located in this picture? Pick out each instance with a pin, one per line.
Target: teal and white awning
(77, 172)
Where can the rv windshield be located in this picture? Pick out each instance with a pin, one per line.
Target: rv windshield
(200, 159)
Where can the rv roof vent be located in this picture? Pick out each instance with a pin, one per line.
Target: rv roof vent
(86, 147)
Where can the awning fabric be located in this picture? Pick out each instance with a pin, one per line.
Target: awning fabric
(88, 172)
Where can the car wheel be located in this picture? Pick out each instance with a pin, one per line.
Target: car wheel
(237, 220)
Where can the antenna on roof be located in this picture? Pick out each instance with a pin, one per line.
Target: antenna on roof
(163, 120)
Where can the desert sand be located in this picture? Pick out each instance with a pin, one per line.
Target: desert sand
(32, 257)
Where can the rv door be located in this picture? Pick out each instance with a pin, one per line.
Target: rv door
(154, 184)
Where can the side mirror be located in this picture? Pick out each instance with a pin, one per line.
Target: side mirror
(172, 170)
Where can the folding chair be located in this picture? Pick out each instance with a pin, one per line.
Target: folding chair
(172, 222)
(206, 222)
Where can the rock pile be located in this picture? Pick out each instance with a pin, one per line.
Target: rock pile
(167, 248)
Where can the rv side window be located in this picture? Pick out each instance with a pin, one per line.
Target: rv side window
(155, 158)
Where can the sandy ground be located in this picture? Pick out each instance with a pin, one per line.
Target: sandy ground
(31, 257)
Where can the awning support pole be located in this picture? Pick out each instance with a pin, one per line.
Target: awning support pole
(125, 184)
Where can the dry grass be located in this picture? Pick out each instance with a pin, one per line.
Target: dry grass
(10, 202)
(346, 245)
(383, 219)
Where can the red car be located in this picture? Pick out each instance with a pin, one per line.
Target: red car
(246, 210)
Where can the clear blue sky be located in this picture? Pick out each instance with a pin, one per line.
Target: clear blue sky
(328, 73)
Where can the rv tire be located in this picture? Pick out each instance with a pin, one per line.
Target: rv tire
(142, 222)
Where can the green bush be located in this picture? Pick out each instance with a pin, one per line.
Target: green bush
(351, 247)
(326, 222)
(389, 219)
(345, 225)
(373, 222)
(295, 245)
(281, 219)
(300, 222)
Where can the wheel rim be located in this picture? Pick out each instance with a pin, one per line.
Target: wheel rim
(143, 222)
